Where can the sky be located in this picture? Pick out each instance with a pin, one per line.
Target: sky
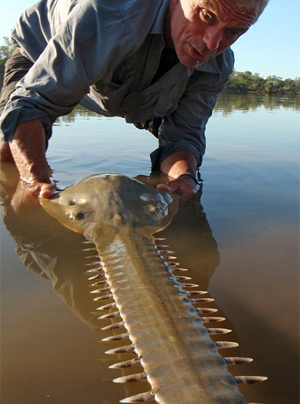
(270, 47)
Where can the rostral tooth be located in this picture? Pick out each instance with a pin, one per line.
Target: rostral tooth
(122, 349)
(131, 378)
(237, 360)
(226, 344)
(126, 364)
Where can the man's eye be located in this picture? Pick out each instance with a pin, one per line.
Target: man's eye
(233, 34)
(207, 16)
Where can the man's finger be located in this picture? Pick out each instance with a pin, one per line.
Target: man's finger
(165, 188)
(47, 191)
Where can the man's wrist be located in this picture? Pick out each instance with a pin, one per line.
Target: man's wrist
(31, 181)
(179, 163)
(26, 180)
(191, 175)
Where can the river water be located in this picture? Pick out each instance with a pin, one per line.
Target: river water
(240, 240)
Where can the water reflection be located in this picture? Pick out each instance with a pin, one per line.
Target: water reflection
(227, 103)
(251, 198)
(51, 251)
(230, 102)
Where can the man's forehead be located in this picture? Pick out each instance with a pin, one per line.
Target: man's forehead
(231, 9)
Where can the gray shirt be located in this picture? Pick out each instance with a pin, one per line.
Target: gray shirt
(104, 54)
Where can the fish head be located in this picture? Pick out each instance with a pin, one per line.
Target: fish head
(107, 202)
(73, 208)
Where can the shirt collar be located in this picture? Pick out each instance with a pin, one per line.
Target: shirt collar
(211, 66)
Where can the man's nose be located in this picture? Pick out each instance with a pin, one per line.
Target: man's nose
(212, 37)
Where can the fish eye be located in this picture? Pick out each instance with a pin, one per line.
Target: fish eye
(72, 202)
(76, 216)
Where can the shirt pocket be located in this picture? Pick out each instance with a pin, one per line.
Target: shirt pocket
(111, 96)
(169, 99)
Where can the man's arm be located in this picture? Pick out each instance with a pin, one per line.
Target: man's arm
(175, 166)
(185, 127)
(27, 150)
(179, 163)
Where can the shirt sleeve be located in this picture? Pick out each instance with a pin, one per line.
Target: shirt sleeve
(86, 47)
(184, 129)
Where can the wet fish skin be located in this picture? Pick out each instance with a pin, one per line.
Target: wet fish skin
(180, 360)
(103, 203)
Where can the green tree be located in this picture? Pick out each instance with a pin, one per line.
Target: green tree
(245, 81)
(256, 83)
(273, 84)
(237, 82)
(248, 82)
(289, 86)
(5, 52)
(297, 85)
(6, 49)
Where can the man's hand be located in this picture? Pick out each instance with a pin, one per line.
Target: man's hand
(180, 168)
(20, 194)
(26, 194)
(27, 150)
(38, 188)
(184, 186)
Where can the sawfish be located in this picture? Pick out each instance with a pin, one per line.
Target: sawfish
(156, 303)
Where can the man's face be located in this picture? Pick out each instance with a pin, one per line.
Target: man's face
(201, 29)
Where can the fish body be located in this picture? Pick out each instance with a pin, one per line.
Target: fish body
(180, 360)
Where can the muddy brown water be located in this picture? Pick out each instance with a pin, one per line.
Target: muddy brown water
(240, 240)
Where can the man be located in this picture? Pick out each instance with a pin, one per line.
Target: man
(159, 64)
